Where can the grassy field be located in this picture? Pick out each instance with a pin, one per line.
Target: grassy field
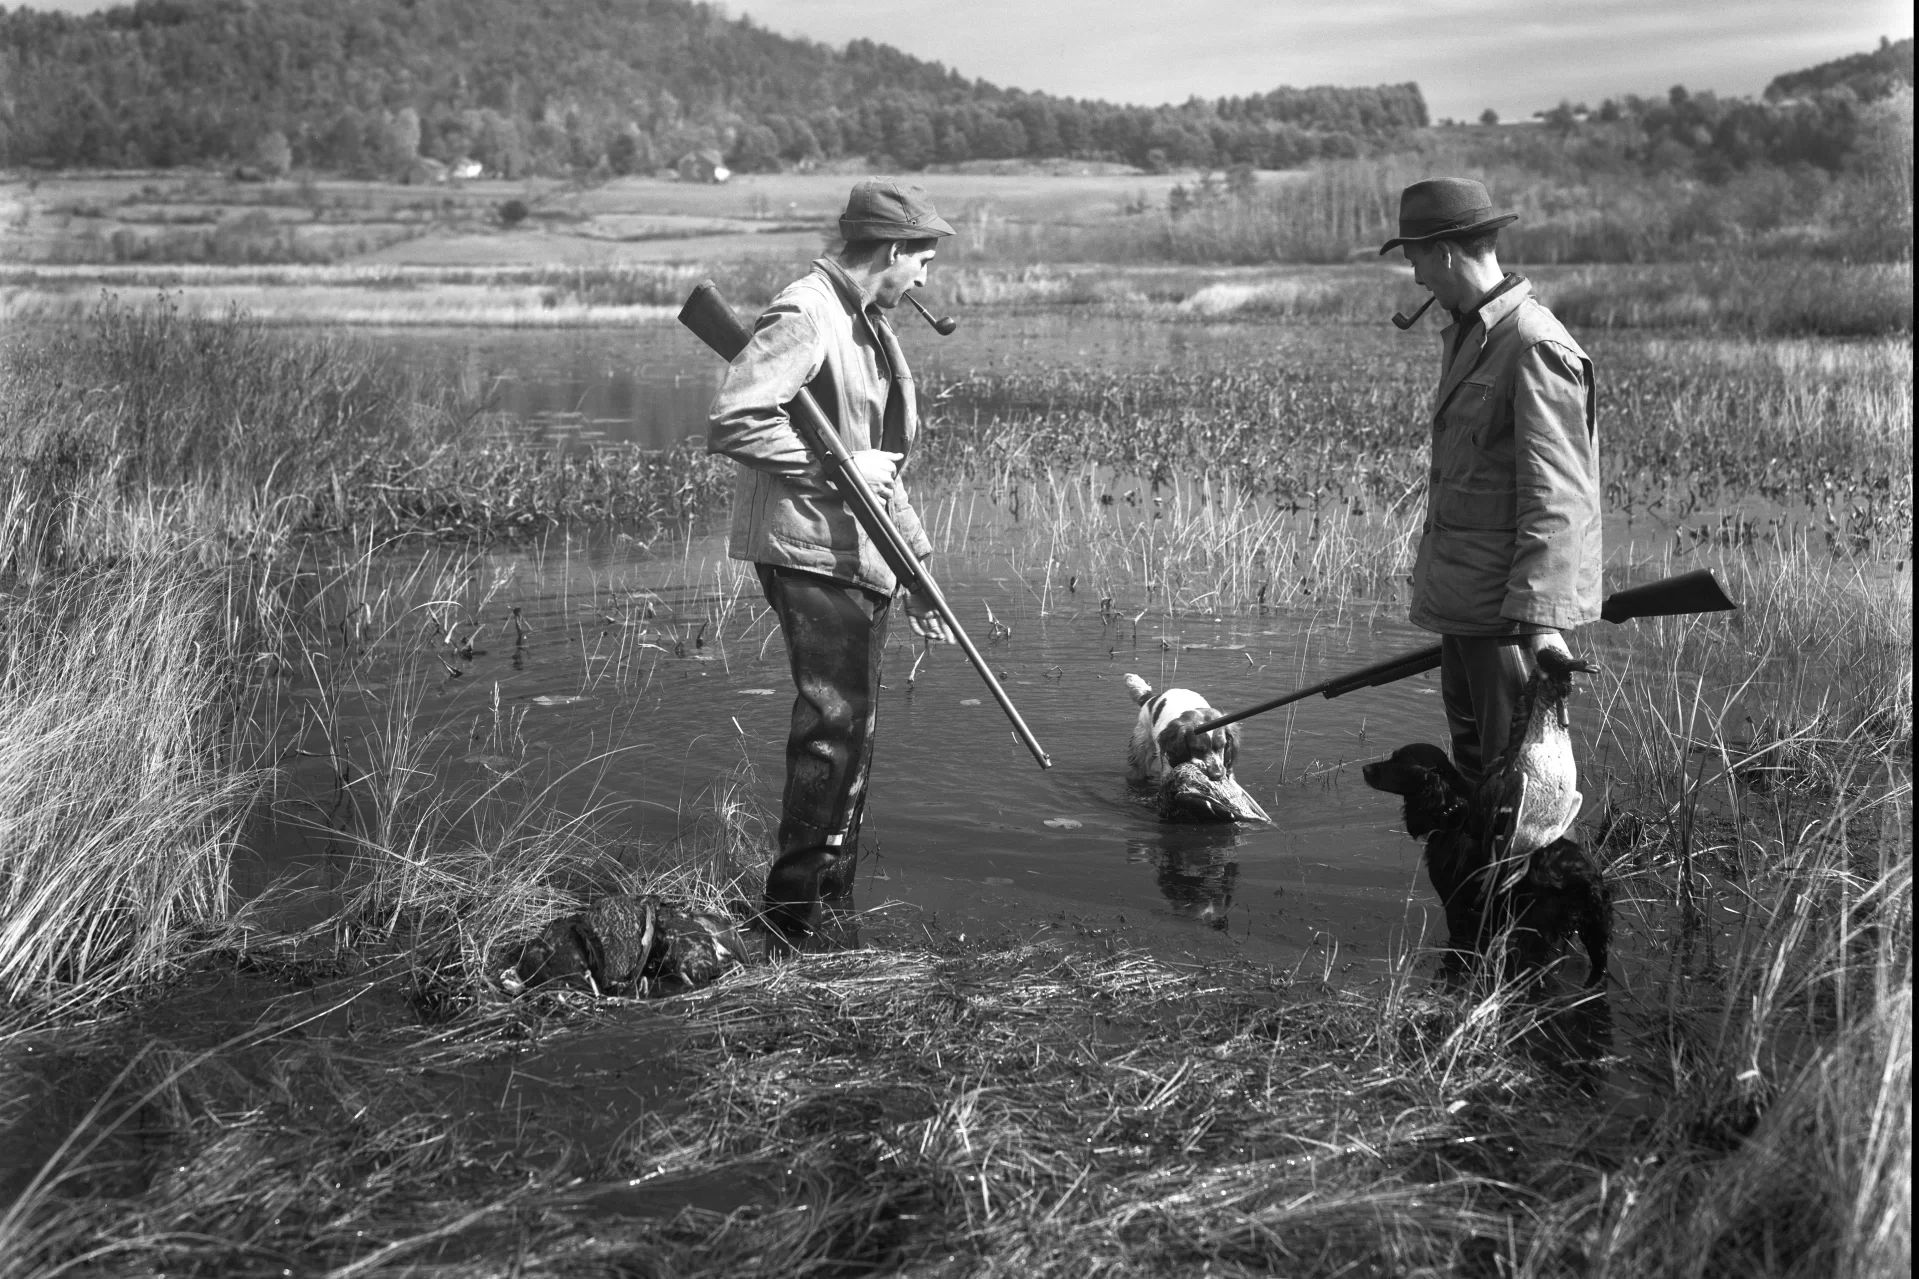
(624, 252)
(192, 1089)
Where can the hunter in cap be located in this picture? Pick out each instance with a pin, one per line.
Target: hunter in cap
(1509, 556)
(825, 580)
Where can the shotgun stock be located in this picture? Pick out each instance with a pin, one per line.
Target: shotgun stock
(1683, 593)
(713, 322)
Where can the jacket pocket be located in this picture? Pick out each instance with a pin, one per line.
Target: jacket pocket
(1472, 484)
(1461, 577)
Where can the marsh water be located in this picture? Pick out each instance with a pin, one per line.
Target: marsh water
(651, 385)
(652, 686)
(655, 688)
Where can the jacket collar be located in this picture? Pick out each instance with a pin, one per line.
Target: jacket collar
(842, 283)
(1478, 324)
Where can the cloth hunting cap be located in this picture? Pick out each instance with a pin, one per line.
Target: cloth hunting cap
(1445, 209)
(879, 209)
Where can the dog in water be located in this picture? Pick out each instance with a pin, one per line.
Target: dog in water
(1189, 768)
(1557, 891)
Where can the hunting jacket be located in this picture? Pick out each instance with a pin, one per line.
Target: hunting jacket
(1511, 542)
(785, 512)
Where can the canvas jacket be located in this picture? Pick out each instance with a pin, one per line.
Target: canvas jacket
(1511, 541)
(815, 335)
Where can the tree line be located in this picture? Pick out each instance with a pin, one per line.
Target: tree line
(550, 86)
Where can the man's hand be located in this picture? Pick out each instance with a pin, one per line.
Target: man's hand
(1535, 644)
(878, 468)
(925, 619)
(925, 622)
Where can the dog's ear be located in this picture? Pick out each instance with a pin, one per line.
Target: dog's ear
(1230, 752)
(1433, 805)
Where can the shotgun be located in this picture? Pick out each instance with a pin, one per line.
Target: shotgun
(1694, 592)
(713, 322)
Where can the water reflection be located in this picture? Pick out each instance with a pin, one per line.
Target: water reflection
(1195, 868)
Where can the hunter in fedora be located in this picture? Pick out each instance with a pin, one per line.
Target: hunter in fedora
(826, 581)
(1509, 556)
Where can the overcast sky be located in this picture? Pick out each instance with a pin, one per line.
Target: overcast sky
(1516, 56)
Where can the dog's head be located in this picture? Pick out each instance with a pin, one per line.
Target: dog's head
(1436, 795)
(1185, 740)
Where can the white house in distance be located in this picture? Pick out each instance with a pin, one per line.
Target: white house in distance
(705, 165)
(465, 169)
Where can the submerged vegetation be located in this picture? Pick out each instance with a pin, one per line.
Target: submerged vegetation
(195, 519)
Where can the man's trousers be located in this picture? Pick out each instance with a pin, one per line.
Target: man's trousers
(1481, 678)
(835, 635)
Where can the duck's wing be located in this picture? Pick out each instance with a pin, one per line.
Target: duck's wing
(1506, 860)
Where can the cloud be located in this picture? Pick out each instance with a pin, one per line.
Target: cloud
(1466, 54)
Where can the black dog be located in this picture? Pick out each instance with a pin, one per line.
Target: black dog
(1560, 892)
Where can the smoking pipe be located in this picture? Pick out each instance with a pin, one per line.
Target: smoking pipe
(1402, 323)
(943, 326)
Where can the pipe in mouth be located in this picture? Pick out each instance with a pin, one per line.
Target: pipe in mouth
(944, 325)
(1401, 322)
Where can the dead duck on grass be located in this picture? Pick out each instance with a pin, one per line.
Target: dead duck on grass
(627, 945)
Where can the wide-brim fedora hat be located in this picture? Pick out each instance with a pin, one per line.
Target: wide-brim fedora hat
(1445, 209)
(880, 209)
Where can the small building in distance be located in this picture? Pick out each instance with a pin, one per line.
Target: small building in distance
(423, 171)
(465, 169)
(705, 165)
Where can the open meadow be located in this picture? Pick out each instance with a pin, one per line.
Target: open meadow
(254, 577)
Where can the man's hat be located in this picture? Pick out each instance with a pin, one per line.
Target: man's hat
(882, 210)
(1445, 209)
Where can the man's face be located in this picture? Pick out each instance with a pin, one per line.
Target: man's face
(906, 271)
(1433, 271)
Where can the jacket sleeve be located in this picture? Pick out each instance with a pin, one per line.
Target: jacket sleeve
(907, 521)
(1556, 465)
(749, 419)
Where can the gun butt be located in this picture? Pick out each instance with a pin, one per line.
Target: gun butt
(712, 321)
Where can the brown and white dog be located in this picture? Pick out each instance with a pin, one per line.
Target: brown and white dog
(1190, 769)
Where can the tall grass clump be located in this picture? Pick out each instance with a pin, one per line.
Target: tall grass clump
(450, 835)
(121, 799)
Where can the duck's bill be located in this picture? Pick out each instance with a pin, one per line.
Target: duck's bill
(1194, 797)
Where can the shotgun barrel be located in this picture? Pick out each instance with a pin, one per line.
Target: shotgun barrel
(713, 322)
(1675, 596)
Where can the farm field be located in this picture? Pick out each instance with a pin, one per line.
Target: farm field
(101, 218)
(445, 662)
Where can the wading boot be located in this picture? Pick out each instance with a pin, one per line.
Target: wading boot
(793, 890)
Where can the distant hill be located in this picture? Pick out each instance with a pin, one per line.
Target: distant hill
(522, 86)
(1869, 75)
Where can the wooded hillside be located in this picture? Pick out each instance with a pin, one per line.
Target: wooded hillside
(364, 86)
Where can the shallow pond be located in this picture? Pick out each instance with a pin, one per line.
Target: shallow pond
(645, 715)
(651, 385)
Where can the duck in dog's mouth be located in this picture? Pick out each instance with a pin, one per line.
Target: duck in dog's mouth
(1189, 767)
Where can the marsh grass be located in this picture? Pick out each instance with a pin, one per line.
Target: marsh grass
(215, 434)
(1002, 1108)
(1734, 443)
(937, 1107)
(1739, 297)
(121, 797)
